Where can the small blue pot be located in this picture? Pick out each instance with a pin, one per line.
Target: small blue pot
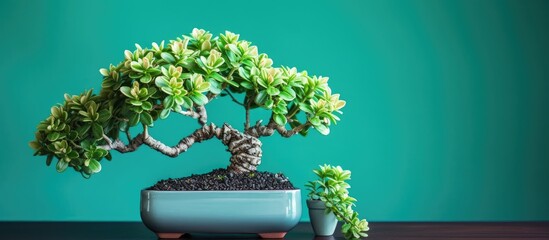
(323, 224)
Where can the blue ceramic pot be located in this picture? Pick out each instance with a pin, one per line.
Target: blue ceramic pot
(323, 224)
(269, 213)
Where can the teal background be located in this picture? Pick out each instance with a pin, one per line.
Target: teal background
(447, 116)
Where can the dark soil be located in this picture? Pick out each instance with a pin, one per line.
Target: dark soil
(222, 179)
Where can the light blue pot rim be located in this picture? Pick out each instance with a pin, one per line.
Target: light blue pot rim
(225, 191)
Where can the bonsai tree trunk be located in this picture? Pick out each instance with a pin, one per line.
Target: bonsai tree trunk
(245, 149)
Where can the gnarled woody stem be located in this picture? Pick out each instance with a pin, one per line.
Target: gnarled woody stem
(259, 131)
(245, 149)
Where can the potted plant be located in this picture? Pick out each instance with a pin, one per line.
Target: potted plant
(182, 77)
(329, 201)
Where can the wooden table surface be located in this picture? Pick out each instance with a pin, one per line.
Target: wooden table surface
(378, 230)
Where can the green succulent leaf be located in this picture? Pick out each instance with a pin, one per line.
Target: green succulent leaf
(200, 62)
(187, 102)
(135, 75)
(261, 97)
(272, 91)
(269, 103)
(108, 83)
(97, 131)
(306, 108)
(104, 115)
(198, 98)
(73, 154)
(85, 144)
(234, 49)
(178, 100)
(280, 119)
(169, 102)
(243, 73)
(262, 82)
(102, 152)
(52, 137)
(83, 130)
(167, 90)
(126, 91)
(96, 154)
(287, 95)
(215, 86)
(162, 82)
(137, 67)
(146, 106)
(165, 113)
(146, 118)
(136, 109)
(61, 166)
(94, 166)
(49, 159)
(146, 78)
(167, 57)
(322, 129)
(202, 87)
(232, 83)
(247, 85)
(315, 121)
(154, 71)
(134, 119)
(218, 77)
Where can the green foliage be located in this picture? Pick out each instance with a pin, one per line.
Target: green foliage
(72, 131)
(331, 188)
(151, 83)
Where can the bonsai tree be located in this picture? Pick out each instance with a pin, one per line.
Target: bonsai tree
(182, 77)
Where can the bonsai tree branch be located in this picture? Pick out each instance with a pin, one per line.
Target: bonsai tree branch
(268, 130)
(288, 133)
(233, 98)
(246, 150)
(107, 139)
(203, 115)
(120, 146)
(189, 113)
(247, 123)
(247, 107)
(200, 113)
(294, 111)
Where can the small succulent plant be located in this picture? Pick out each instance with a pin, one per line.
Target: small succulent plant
(331, 188)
